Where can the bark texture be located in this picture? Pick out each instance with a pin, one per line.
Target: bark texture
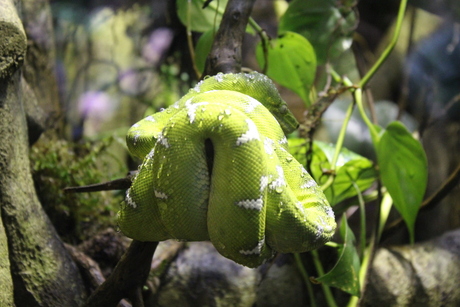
(12, 39)
(6, 295)
(225, 55)
(12, 50)
(40, 269)
(39, 66)
(127, 278)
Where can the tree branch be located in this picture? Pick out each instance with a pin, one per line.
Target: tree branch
(127, 278)
(225, 55)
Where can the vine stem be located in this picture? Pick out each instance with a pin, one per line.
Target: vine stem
(357, 94)
(354, 300)
(189, 39)
(327, 291)
(365, 252)
(358, 98)
(389, 48)
(338, 147)
(362, 215)
(306, 279)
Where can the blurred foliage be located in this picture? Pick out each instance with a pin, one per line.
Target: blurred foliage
(59, 164)
(200, 18)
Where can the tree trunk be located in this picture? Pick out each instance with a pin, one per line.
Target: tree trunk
(38, 266)
(39, 65)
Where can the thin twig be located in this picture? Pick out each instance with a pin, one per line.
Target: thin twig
(117, 184)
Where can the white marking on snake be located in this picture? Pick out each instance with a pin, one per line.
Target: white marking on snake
(254, 204)
(330, 212)
(129, 200)
(325, 226)
(300, 206)
(251, 104)
(162, 140)
(263, 182)
(135, 125)
(219, 77)
(197, 86)
(309, 184)
(319, 231)
(256, 250)
(248, 76)
(280, 181)
(283, 149)
(160, 195)
(191, 109)
(149, 155)
(268, 145)
(251, 134)
(136, 137)
(283, 141)
(150, 118)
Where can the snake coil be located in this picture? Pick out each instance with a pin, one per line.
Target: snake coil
(256, 200)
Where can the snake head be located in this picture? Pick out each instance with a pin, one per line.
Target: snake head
(285, 117)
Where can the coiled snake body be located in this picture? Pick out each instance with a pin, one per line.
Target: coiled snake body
(256, 200)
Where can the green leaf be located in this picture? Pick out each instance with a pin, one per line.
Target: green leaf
(203, 47)
(351, 167)
(291, 63)
(403, 169)
(201, 20)
(327, 24)
(344, 275)
(360, 171)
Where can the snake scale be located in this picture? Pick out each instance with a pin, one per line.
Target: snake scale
(255, 201)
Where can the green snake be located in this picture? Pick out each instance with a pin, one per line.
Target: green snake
(255, 201)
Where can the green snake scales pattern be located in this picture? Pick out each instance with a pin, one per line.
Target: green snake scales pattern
(255, 201)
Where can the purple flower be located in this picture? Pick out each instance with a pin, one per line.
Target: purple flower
(158, 43)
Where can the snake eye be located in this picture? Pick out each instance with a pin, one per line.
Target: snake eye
(283, 109)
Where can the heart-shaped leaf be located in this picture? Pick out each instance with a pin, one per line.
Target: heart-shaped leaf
(291, 62)
(201, 20)
(344, 275)
(404, 170)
